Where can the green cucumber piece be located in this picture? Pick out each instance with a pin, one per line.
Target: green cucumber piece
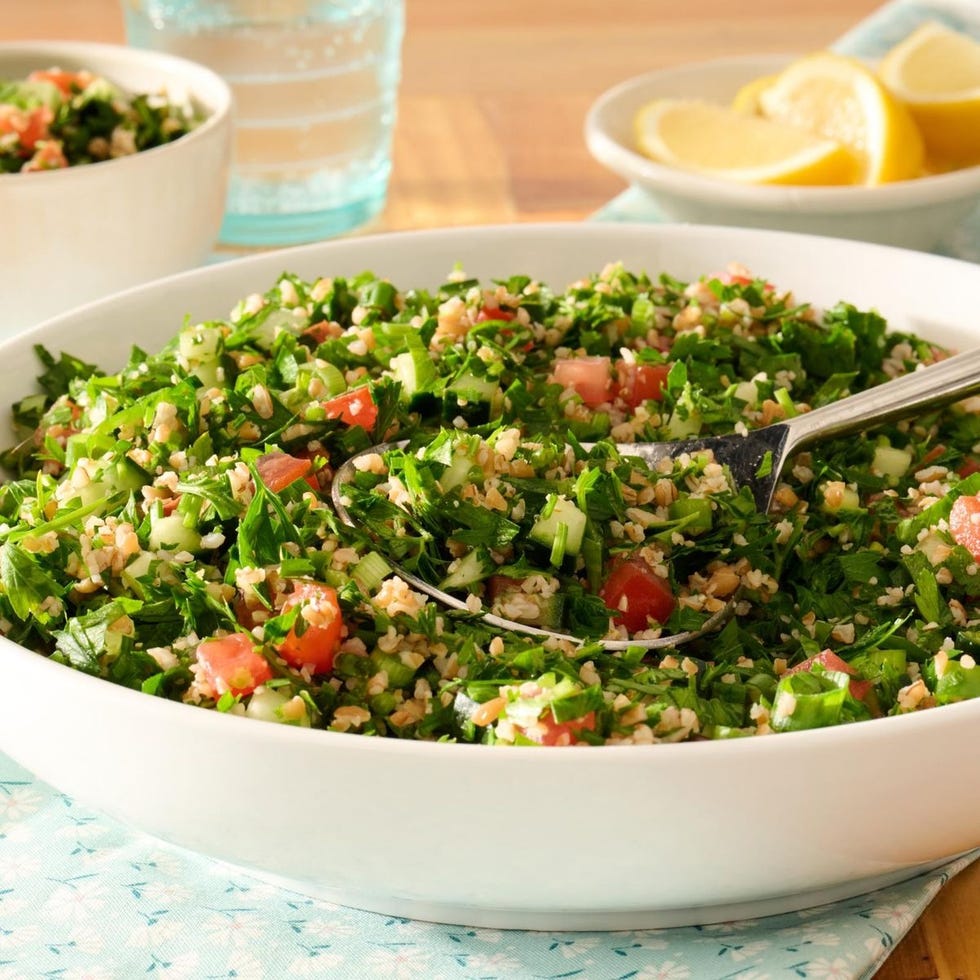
(560, 519)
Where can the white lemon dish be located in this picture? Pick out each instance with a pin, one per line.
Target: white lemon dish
(75, 234)
(914, 213)
(524, 836)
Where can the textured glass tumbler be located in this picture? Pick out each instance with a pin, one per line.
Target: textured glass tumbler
(315, 85)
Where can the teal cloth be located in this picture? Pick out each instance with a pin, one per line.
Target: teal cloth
(82, 896)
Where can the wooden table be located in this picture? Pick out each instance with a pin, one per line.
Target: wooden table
(490, 130)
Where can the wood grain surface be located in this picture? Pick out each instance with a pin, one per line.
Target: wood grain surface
(489, 130)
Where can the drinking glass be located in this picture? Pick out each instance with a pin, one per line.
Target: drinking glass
(315, 85)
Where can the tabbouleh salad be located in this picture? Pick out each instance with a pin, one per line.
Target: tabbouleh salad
(169, 527)
(56, 118)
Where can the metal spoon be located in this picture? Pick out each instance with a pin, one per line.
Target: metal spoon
(755, 459)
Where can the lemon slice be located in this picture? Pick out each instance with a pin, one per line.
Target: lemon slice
(721, 142)
(747, 97)
(935, 71)
(841, 99)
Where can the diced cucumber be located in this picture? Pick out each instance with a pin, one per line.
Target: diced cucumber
(124, 474)
(474, 566)
(560, 519)
(849, 501)
(170, 532)
(414, 367)
(458, 471)
(475, 399)
(201, 347)
(271, 704)
(891, 462)
(332, 378)
(692, 513)
(370, 571)
(748, 392)
(400, 674)
(678, 428)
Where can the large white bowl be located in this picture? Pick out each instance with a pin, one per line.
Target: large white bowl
(73, 235)
(611, 837)
(911, 213)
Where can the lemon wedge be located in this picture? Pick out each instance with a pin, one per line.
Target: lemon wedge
(747, 97)
(935, 71)
(718, 141)
(839, 98)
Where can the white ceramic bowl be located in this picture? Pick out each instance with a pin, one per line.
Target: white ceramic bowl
(912, 213)
(72, 235)
(612, 837)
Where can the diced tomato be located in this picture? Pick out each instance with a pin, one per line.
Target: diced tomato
(547, 731)
(494, 313)
(278, 470)
(732, 277)
(931, 456)
(498, 585)
(967, 468)
(67, 82)
(233, 664)
(964, 524)
(639, 383)
(316, 645)
(830, 661)
(589, 376)
(320, 331)
(320, 473)
(637, 595)
(48, 155)
(355, 407)
(30, 125)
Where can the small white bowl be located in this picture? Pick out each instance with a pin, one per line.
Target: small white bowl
(912, 213)
(77, 234)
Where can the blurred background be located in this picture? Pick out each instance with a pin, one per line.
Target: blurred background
(494, 94)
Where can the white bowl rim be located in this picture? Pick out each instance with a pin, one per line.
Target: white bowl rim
(631, 164)
(219, 106)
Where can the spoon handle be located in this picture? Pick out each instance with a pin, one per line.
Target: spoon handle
(929, 387)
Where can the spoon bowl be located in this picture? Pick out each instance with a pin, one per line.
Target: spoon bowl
(755, 460)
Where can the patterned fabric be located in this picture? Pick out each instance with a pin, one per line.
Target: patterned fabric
(84, 898)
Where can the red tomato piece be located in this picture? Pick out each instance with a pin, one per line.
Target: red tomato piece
(637, 595)
(48, 155)
(320, 472)
(730, 278)
(67, 82)
(233, 664)
(494, 313)
(967, 468)
(29, 125)
(589, 376)
(964, 524)
(355, 407)
(278, 470)
(830, 661)
(639, 383)
(547, 731)
(316, 645)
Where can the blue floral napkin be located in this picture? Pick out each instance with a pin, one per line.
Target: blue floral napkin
(82, 896)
